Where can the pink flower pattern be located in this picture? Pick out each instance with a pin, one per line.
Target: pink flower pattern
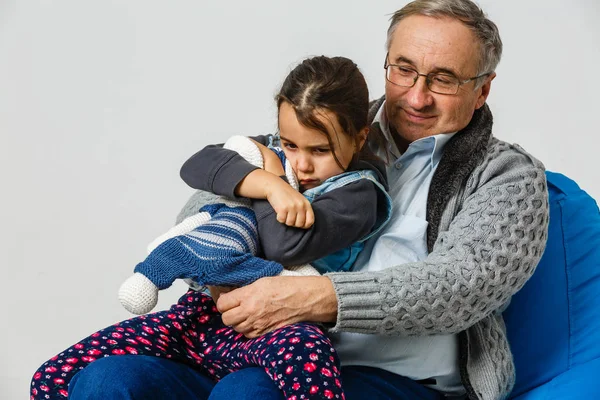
(299, 358)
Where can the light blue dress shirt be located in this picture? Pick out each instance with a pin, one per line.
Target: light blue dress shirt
(404, 240)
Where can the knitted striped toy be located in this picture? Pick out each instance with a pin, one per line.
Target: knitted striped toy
(217, 246)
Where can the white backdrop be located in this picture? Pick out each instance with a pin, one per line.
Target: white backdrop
(102, 101)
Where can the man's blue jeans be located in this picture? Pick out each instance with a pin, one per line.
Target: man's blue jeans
(145, 377)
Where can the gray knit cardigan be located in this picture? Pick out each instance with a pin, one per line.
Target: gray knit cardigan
(487, 210)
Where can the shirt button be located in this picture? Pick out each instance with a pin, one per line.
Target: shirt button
(398, 165)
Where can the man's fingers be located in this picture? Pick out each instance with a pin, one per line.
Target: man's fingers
(243, 327)
(235, 318)
(252, 334)
(227, 301)
(216, 291)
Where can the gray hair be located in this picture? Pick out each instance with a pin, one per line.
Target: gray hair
(469, 14)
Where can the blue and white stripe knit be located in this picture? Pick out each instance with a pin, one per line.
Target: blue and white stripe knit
(220, 252)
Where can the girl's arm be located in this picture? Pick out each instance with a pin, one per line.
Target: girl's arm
(341, 216)
(291, 207)
(222, 171)
(218, 170)
(271, 162)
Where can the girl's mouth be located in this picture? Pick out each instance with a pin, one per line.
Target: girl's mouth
(308, 183)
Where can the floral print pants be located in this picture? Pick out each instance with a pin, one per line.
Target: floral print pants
(299, 358)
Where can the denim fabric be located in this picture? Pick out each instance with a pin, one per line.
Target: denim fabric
(140, 377)
(344, 259)
(299, 358)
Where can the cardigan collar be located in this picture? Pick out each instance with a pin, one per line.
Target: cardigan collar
(465, 150)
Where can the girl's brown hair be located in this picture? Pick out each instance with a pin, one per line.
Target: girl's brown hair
(327, 83)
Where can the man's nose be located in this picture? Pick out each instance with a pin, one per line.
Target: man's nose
(419, 96)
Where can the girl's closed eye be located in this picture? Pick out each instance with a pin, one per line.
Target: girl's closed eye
(322, 150)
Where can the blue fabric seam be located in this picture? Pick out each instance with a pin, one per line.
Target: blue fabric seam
(568, 277)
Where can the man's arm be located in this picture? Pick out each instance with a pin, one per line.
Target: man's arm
(488, 252)
(271, 303)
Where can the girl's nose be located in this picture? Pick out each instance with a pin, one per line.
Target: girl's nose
(303, 163)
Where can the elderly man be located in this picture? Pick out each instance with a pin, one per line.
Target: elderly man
(421, 316)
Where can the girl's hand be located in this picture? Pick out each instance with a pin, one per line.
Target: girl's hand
(291, 207)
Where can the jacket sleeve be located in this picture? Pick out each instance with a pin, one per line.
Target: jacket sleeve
(488, 251)
(218, 170)
(338, 224)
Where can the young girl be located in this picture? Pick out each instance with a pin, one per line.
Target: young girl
(323, 126)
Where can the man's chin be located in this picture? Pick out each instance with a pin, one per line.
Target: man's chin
(412, 132)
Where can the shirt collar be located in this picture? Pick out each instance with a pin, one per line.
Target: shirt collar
(391, 148)
(435, 144)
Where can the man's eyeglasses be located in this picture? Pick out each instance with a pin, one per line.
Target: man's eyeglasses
(440, 83)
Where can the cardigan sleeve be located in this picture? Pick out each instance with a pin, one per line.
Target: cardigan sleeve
(490, 248)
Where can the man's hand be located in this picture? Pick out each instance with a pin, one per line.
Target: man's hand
(217, 291)
(270, 303)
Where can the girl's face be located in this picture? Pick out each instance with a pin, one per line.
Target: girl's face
(308, 149)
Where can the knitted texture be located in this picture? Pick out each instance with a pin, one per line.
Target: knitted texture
(215, 246)
(141, 295)
(194, 203)
(300, 270)
(488, 216)
(185, 226)
(219, 252)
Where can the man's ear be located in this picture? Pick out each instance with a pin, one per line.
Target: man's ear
(361, 138)
(484, 91)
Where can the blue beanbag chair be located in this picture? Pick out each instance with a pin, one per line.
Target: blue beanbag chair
(553, 323)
